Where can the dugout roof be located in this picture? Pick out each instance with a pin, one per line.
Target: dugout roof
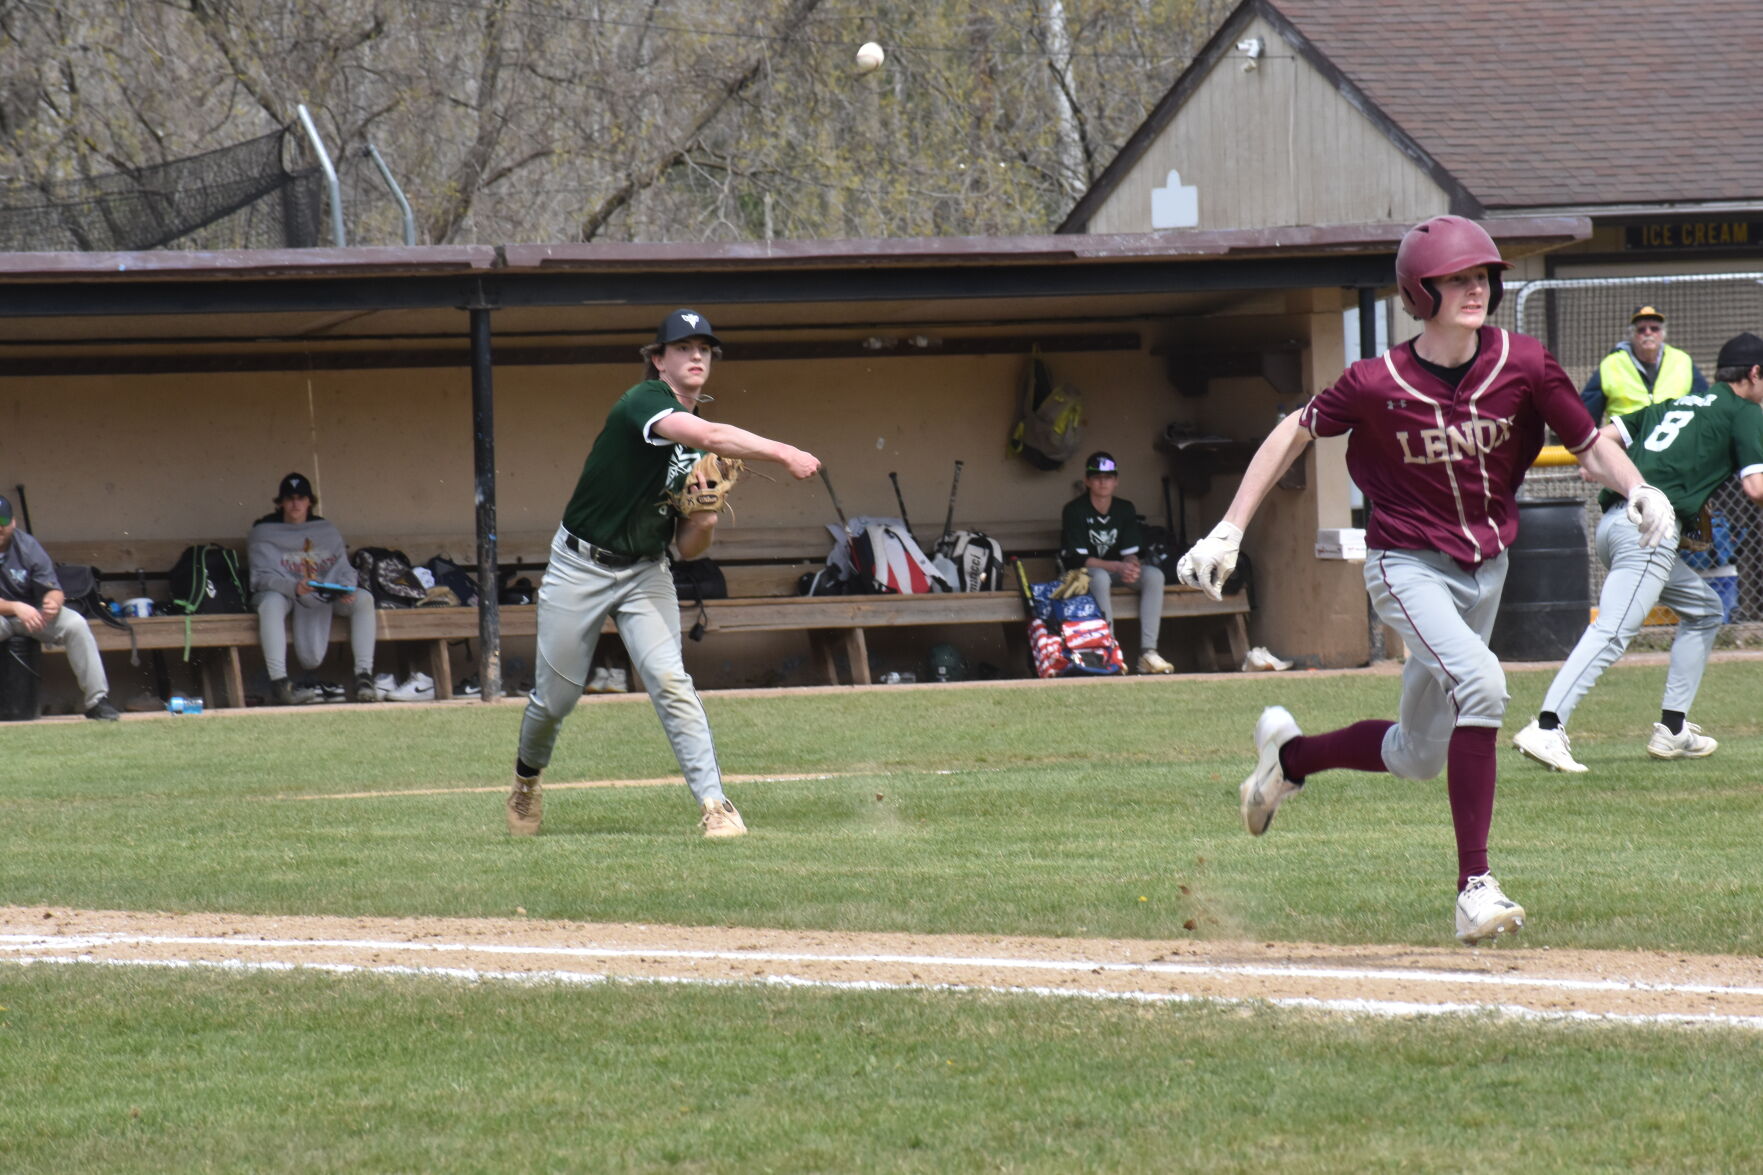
(115, 313)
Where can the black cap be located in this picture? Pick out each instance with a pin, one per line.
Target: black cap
(1744, 351)
(295, 483)
(1100, 462)
(685, 324)
(5, 510)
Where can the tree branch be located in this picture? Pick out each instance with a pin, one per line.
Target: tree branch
(667, 158)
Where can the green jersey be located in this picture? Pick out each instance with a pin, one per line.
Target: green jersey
(620, 500)
(1688, 446)
(1085, 532)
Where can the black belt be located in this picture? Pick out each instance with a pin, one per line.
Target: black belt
(600, 555)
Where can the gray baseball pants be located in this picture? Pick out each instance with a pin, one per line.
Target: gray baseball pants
(1150, 587)
(68, 628)
(575, 598)
(312, 630)
(1638, 579)
(1445, 615)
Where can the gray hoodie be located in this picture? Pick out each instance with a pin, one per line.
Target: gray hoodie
(283, 553)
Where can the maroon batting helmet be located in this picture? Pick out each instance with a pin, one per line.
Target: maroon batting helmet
(1438, 248)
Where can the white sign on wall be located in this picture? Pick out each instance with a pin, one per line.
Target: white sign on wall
(1175, 205)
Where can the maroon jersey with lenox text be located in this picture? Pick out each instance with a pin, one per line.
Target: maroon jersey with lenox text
(1442, 465)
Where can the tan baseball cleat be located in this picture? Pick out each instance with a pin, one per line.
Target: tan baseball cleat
(1151, 661)
(526, 807)
(721, 819)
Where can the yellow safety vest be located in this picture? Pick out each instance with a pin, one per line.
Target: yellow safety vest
(1625, 391)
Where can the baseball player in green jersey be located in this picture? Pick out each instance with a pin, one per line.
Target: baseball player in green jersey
(1686, 447)
(610, 558)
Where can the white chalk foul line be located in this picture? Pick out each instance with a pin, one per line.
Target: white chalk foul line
(1389, 1009)
(64, 943)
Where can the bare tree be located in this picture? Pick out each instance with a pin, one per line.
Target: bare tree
(618, 119)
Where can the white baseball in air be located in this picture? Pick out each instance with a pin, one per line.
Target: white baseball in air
(870, 56)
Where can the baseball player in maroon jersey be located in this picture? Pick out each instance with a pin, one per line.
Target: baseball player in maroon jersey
(1440, 431)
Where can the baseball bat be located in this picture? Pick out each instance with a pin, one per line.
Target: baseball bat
(901, 499)
(1028, 603)
(840, 510)
(24, 509)
(949, 519)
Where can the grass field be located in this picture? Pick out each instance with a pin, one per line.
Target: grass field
(1088, 810)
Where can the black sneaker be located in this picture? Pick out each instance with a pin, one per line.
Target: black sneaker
(364, 691)
(281, 692)
(103, 711)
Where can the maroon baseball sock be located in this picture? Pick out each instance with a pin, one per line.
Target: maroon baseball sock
(1358, 747)
(1469, 779)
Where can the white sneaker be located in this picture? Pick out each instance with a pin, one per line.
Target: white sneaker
(420, 687)
(308, 693)
(1262, 792)
(1151, 661)
(1691, 744)
(1484, 912)
(617, 681)
(1259, 659)
(597, 680)
(383, 685)
(1548, 747)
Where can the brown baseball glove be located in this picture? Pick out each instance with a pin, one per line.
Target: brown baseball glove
(708, 485)
(1701, 536)
(1075, 582)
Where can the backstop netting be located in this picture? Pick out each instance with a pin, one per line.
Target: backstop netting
(1581, 321)
(238, 197)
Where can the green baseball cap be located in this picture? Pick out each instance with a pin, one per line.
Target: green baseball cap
(5, 511)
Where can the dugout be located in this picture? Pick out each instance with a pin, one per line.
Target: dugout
(155, 399)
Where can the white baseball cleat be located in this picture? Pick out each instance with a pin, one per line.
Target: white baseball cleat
(1691, 744)
(1548, 747)
(1267, 786)
(1483, 912)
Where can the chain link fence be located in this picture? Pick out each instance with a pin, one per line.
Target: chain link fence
(1581, 321)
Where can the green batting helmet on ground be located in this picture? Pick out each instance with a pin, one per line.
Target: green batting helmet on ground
(945, 663)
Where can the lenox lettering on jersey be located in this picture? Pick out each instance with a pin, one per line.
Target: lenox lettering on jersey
(1472, 438)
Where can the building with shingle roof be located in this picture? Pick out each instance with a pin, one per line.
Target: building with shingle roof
(1312, 112)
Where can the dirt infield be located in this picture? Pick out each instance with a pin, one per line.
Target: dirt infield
(1611, 986)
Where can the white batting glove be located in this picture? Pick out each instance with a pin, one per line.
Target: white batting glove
(1650, 510)
(1210, 561)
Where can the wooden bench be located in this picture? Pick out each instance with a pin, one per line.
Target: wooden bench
(761, 565)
